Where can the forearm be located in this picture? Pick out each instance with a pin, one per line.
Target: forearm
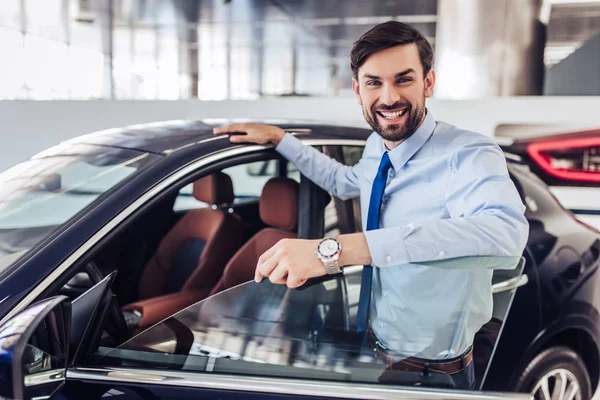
(324, 171)
(355, 249)
(479, 235)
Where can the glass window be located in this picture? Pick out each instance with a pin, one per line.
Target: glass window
(12, 76)
(10, 17)
(247, 179)
(122, 62)
(40, 195)
(271, 331)
(144, 64)
(45, 18)
(212, 62)
(343, 216)
(46, 68)
(168, 65)
(86, 73)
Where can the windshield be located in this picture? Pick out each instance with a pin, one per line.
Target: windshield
(40, 195)
(261, 329)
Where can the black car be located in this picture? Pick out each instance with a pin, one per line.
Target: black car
(149, 234)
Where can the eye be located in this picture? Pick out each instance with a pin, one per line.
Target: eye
(403, 80)
(373, 83)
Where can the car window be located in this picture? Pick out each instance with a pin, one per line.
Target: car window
(261, 329)
(40, 195)
(343, 216)
(248, 181)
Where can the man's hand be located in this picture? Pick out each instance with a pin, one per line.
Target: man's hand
(291, 262)
(254, 133)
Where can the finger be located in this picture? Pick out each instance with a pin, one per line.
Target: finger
(225, 129)
(294, 282)
(240, 139)
(279, 275)
(266, 255)
(266, 268)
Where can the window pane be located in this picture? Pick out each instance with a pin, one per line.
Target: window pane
(168, 65)
(46, 68)
(269, 330)
(45, 18)
(122, 62)
(212, 62)
(341, 216)
(144, 64)
(40, 195)
(12, 76)
(87, 73)
(10, 17)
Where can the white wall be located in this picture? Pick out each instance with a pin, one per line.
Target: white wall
(29, 127)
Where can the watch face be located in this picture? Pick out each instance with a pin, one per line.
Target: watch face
(328, 248)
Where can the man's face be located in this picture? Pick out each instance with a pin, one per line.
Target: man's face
(391, 89)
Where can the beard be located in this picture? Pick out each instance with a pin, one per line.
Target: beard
(396, 132)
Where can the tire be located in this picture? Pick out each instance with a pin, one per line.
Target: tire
(556, 365)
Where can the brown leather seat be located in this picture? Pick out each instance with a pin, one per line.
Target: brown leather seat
(191, 257)
(279, 210)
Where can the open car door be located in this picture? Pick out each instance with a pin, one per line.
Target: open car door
(259, 339)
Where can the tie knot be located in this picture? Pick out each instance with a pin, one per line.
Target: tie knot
(385, 163)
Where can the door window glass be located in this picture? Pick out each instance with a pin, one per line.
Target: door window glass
(341, 216)
(248, 181)
(261, 329)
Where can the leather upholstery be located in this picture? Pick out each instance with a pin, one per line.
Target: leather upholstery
(221, 232)
(279, 208)
(279, 203)
(158, 308)
(243, 264)
(216, 189)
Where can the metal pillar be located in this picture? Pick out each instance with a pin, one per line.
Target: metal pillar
(489, 48)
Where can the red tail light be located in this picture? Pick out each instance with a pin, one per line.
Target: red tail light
(576, 159)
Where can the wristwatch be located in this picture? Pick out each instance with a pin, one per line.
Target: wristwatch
(328, 251)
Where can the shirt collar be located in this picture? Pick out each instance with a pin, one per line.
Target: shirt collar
(401, 154)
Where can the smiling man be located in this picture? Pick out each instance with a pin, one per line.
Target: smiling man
(429, 191)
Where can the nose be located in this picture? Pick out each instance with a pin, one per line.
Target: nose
(389, 95)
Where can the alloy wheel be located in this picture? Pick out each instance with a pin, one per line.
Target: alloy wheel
(558, 384)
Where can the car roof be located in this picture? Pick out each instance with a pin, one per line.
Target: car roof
(169, 136)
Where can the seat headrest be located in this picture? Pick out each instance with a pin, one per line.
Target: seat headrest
(214, 189)
(279, 203)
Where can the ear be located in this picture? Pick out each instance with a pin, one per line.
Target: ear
(356, 90)
(429, 83)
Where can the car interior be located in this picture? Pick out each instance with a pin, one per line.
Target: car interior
(167, 259)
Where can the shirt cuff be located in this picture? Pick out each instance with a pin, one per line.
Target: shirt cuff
(289, 146)
(386, 252)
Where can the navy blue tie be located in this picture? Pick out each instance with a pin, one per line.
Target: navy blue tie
(362, 318)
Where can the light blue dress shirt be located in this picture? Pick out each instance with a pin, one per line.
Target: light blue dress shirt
(448, 195)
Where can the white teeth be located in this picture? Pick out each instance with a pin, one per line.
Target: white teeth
(392, 115)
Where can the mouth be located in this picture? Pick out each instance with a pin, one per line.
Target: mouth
(393, 116)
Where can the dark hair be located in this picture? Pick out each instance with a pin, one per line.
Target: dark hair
(386, 35)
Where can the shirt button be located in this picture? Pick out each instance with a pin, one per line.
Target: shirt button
(389, 259)
(381, 324)
(441, 254)
(392, 173)
(384, 294)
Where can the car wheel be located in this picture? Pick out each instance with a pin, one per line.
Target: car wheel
(556, 373)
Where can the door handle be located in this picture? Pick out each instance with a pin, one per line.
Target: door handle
(510, 284)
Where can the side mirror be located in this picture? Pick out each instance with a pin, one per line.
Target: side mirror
(33, 350)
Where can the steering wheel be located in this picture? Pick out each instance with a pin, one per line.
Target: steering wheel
(117, 327)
